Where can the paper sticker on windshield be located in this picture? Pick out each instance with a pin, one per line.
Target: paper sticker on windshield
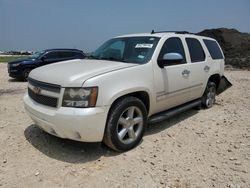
(144, 46)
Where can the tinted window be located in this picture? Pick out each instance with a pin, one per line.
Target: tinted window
(195, 50)
(213, 49)
(52, 55)
(77, 54)
(173, 45)
(68, 54)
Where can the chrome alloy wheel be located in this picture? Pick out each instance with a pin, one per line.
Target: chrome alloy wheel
(210, 97)
(129, 125)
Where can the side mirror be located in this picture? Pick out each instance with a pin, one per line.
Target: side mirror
(43, 58)
(170, 59)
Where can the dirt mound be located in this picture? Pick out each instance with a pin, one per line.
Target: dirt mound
(235, 45)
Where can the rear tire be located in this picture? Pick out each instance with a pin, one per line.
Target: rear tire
(208, 98)
(125, 124)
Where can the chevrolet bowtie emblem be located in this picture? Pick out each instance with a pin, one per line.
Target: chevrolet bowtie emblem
(36, 90)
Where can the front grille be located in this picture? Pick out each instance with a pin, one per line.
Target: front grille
(46, 86)
(42, 99)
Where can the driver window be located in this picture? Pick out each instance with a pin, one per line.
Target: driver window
(173, 45)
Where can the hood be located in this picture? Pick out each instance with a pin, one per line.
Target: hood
(21, 61)
(73, 73)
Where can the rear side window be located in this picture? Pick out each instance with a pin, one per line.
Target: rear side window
(78, 55)
(67, 54)
(195, 50)
(71, 54)
(52, 55)
(173, 45)
(213, 49)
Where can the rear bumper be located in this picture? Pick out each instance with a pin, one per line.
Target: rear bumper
(81, 124)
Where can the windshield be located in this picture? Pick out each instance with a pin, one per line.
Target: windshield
(127, 49)
(36, 55)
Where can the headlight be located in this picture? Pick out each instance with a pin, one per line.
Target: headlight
(80, 97)
(15, 65)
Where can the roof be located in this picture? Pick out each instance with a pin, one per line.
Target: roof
(58, 49)
(165, 33)
(144, 35)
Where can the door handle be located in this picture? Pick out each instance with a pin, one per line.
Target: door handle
(185, 72)
(206, 68)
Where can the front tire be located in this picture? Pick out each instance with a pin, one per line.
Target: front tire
(26, 73)
(208, 98)
(126, 124)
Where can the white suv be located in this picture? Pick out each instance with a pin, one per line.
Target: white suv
(128, 82)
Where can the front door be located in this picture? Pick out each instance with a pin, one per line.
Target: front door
(172, 81)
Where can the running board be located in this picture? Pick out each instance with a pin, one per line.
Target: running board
(169, 113)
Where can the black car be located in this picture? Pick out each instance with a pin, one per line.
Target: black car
(21, 68)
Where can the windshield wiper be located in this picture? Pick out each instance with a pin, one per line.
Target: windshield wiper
(113, 59)
(105, 58)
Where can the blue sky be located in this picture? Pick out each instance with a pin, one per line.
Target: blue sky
(85, 24)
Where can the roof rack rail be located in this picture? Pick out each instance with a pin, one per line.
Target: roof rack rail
(177, 32)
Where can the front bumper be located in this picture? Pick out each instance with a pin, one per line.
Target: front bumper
(14, 72)
(81, 124)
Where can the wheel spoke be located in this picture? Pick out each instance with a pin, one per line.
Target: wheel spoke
(131, 133)
(137, 120)
(122, 133)
(123, 121)
(209, 102)
(213, 95)
(131, 112)
(208, 95)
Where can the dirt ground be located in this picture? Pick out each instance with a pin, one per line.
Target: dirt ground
(198, 148)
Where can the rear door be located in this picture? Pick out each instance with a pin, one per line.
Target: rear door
(217, 57)
(172, 81)
(199, 67)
